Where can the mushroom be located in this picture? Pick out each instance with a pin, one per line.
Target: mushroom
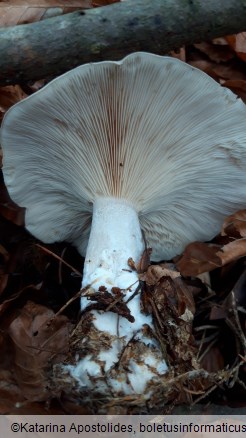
(112, 154)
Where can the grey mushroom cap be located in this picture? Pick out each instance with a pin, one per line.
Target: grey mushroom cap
(149, 129)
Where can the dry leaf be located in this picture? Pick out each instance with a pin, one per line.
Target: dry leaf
(40, 340)
(232, 251)
(13, 15)
(198, 257)
(156, 272)
(201, 257)
(29, 11)
(235, 225)
(220, 72)
(9, 96)
(206, 66)
(238, 43)
(217, 53)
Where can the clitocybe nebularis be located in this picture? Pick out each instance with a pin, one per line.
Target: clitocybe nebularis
(113, 149)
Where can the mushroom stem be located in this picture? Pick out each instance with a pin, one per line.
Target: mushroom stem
(115, 237)
(119, 356)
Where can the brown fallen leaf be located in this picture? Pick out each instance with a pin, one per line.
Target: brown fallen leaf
(207, 66)
(39, 340)
(232, 251)
(13, 15)
(199, 257)
(221, 71)
(235, 225)
(238, 44)
(30, 11)
(156, 272)
(10, 95)
(216, 52)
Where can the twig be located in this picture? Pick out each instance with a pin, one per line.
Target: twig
(58, 258)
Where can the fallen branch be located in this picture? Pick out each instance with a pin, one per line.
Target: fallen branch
(52, 46)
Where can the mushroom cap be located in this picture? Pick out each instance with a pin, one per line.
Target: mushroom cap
(150, 129)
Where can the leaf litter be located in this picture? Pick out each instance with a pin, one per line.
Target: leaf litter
(193, 323)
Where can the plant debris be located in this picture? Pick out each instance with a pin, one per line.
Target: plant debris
(193, 323)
